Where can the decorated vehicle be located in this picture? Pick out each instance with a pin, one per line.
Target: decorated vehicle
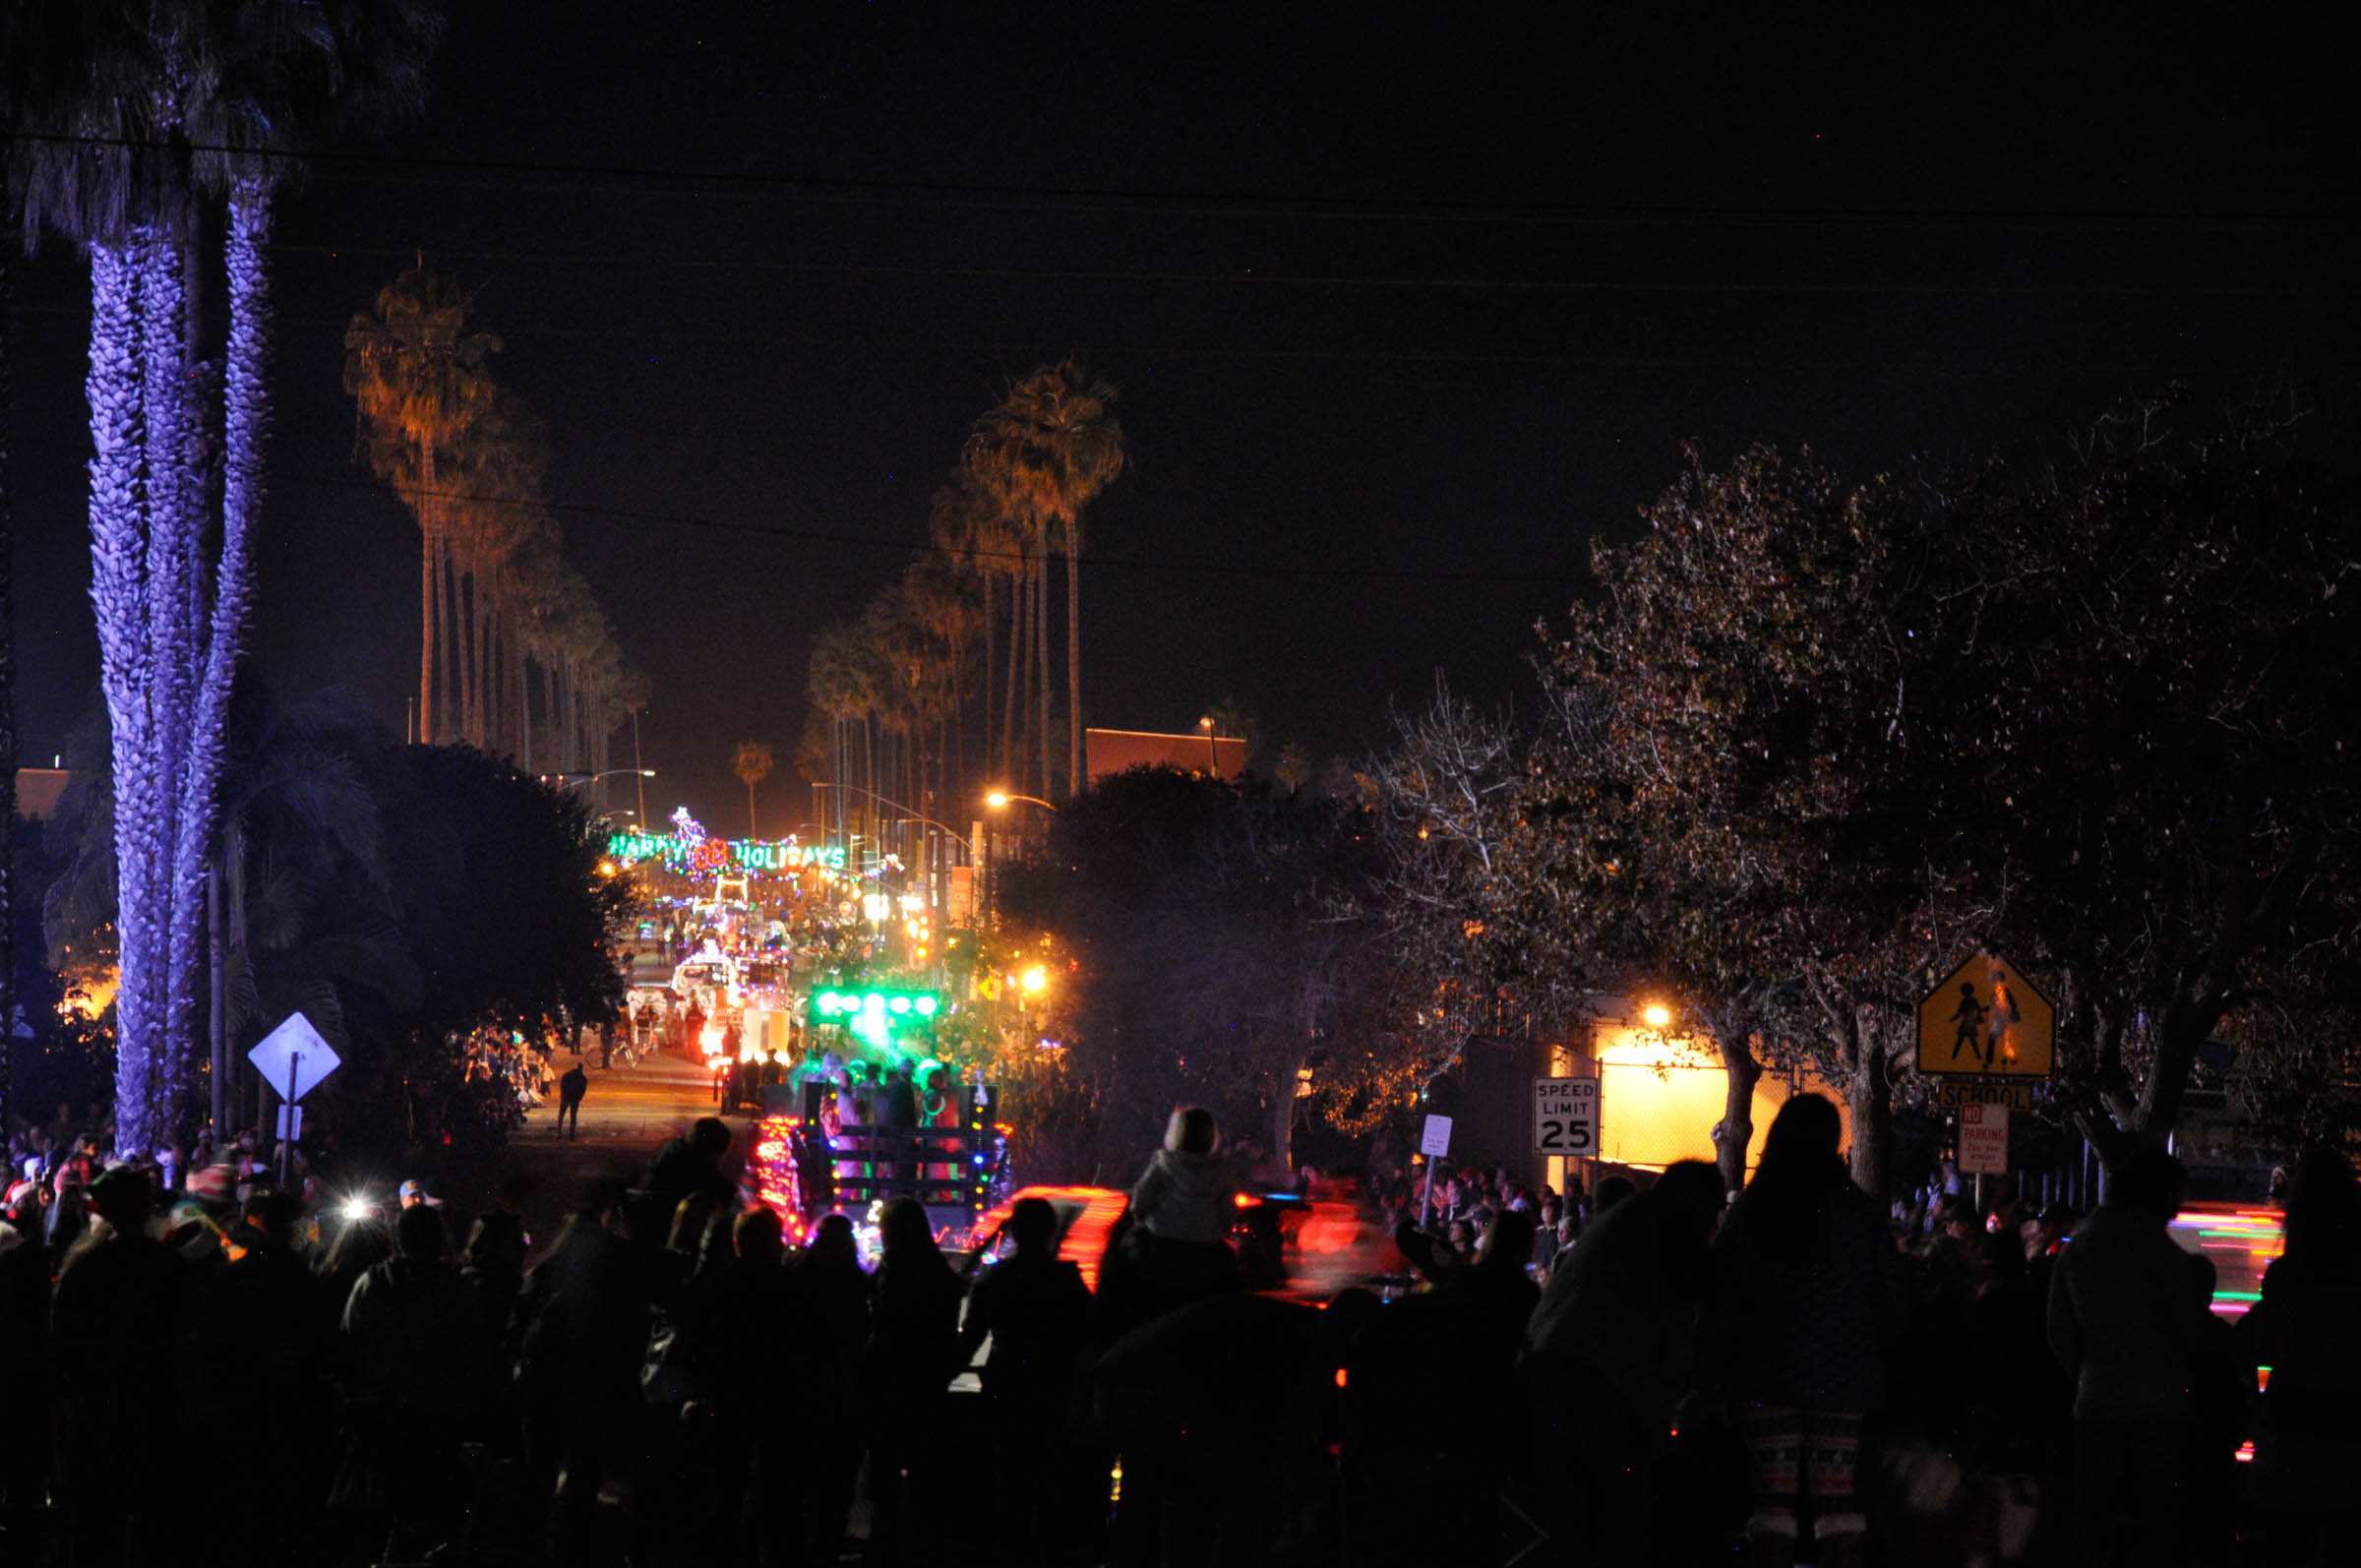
(1289, 1245)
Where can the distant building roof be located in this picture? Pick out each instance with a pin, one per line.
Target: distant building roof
(38, 789)
(1119, 751)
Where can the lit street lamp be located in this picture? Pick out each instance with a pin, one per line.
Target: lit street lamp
(1213, 756)
(998, 800)
(566, 781)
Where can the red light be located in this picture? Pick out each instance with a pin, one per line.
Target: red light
(1340, 1377)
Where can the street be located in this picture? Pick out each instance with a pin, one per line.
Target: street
(627, 1115)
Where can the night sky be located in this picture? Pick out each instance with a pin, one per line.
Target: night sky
(1406, 305)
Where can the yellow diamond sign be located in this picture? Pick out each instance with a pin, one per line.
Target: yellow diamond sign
(1988, 1019)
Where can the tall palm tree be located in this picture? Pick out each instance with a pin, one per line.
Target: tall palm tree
(420, 376)
(1046, 452)
(970, 538)
(11, 58)
(143, 109)
(751, 762)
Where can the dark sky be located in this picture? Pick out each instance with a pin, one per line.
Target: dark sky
(1406, 303)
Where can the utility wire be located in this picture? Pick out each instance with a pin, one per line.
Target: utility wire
(1869, 355)
(601, 513)
(1252, 277)
(355, 164)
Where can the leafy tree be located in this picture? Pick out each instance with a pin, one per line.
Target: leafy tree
(2150, 637)
(402, 897)
(1445, 949)
(1737, 813)
(1208, 960)
(2075, 710)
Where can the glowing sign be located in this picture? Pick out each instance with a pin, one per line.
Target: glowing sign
(677, 852)
(874, 1016)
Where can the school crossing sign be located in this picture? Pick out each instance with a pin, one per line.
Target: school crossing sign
(1985, 1021)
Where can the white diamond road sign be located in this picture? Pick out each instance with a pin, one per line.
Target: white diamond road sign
(292, 1058)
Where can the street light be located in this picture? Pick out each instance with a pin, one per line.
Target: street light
(914, 816)
(998, 800)
(566, 781)
(1655, 1015)
(1213, 758)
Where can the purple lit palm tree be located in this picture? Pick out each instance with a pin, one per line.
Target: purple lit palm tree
(139, 110)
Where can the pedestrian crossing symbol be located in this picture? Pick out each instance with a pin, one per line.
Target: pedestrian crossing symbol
(1986, 1020)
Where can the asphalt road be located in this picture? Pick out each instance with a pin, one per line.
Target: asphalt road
(627, 1115)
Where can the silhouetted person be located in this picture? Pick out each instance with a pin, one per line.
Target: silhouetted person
(836, 1297)
(748, 1342)
(2123, 1321)
(585, 1313)
(116, 1325)
(2014, 1389)
(1034, 1309)
(24, 1277)
(572, 1088)
(688, 1163)
(354, 1247)
(424, 1365)
(1609, 1348)
(1807, 1289)
(494, 1272)
(1181, 1209)
(913, 1349)
(2307, 1445)
(273, 1389)
(897, 1114)
(2221, 1392)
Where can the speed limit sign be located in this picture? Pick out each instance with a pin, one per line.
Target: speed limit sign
(1565, 1115)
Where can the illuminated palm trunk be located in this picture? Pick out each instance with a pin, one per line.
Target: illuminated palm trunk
(245, 415)
(118, 594)
(8, 720)
(1073, 656)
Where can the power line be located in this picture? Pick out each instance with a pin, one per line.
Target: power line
(1871, 355)
(601, 513)
(1205, 203)
(1249, 277)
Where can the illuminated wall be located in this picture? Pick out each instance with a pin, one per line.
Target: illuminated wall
(1659, 1099)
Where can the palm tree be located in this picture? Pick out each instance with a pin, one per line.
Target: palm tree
(419, 377)
(10, 56)
(138, 113)
(95, 170)
(1045, 453)
(753, 764)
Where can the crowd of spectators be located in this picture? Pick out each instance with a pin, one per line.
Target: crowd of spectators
(666, 1381)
